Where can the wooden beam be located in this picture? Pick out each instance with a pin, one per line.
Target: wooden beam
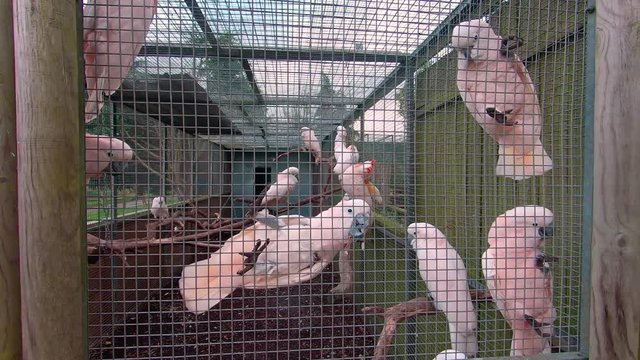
(9, 253)
(51, 198)
(615, 265)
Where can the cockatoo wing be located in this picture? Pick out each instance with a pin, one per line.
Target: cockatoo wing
(113, 35)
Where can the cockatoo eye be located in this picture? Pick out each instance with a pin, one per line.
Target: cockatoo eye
(535, 224)
(109, 154)
(475, 37)
(349, 211)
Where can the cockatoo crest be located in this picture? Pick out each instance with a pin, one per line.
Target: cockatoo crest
(523, 226)
(418, 231)
(471, 37)
(367, 167)
(291, 170)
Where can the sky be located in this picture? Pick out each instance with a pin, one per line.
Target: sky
(346, 25)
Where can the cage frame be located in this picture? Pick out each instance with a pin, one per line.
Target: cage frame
(37, 331)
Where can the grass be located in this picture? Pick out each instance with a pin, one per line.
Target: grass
(99, 203)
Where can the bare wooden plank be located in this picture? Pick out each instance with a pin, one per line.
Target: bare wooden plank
(9, 274)
(50, 201)
(615, 290)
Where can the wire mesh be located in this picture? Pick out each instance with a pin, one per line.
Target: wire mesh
(210, 98)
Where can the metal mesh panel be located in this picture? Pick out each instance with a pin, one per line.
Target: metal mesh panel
(211, 98)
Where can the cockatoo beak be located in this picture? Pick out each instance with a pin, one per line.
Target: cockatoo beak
(466, 52)
(411, 239)
(117, 167)
(359, 226)
(545, 231)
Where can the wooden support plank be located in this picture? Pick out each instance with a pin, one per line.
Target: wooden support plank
(615, 290)
(9, 272)
(50, 158)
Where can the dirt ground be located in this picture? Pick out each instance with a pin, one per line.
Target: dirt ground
(300, 322)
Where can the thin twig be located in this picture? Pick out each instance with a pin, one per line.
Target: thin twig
(122, 245)
(213, 228)
(289, 152)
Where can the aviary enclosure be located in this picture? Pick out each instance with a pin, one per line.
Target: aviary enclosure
(341, 180)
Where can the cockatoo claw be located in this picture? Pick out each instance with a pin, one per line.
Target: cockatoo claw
(509, 44)
(252, 256)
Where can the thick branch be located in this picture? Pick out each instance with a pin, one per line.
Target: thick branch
(402, 311)
(392, 317)
(345, 286)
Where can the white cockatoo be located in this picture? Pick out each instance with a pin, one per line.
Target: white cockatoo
(105, 153)
(500, 94)
(356, 182)
(114, 32)
(445, 274)
(159, 208)
(519, 278)
(311, 143)
(347, 157)
(282, 256)
(286, 182)
(341, 137)
(450, 355)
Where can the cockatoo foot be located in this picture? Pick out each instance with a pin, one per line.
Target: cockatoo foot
(509, 44)
(252, 256)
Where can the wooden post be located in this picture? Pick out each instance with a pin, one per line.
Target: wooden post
(615, 289)
(51, 185)
(9, 271)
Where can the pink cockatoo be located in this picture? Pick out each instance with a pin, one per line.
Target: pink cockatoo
(344, 159)
(450, 355)
(445, 274)
(286, 182)
(159, 208)
(114, 32)
(311, 143)
(287, 258)
(500, 94)
(519, 277)
(103, 152)
(357, 184)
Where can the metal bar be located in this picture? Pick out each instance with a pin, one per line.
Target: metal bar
(9, 240)
(294, 100)
(209, 35)
(112, 180)
(587, 177)
(51, 200)
(424, 51)
(271, 54)
(409, 204)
